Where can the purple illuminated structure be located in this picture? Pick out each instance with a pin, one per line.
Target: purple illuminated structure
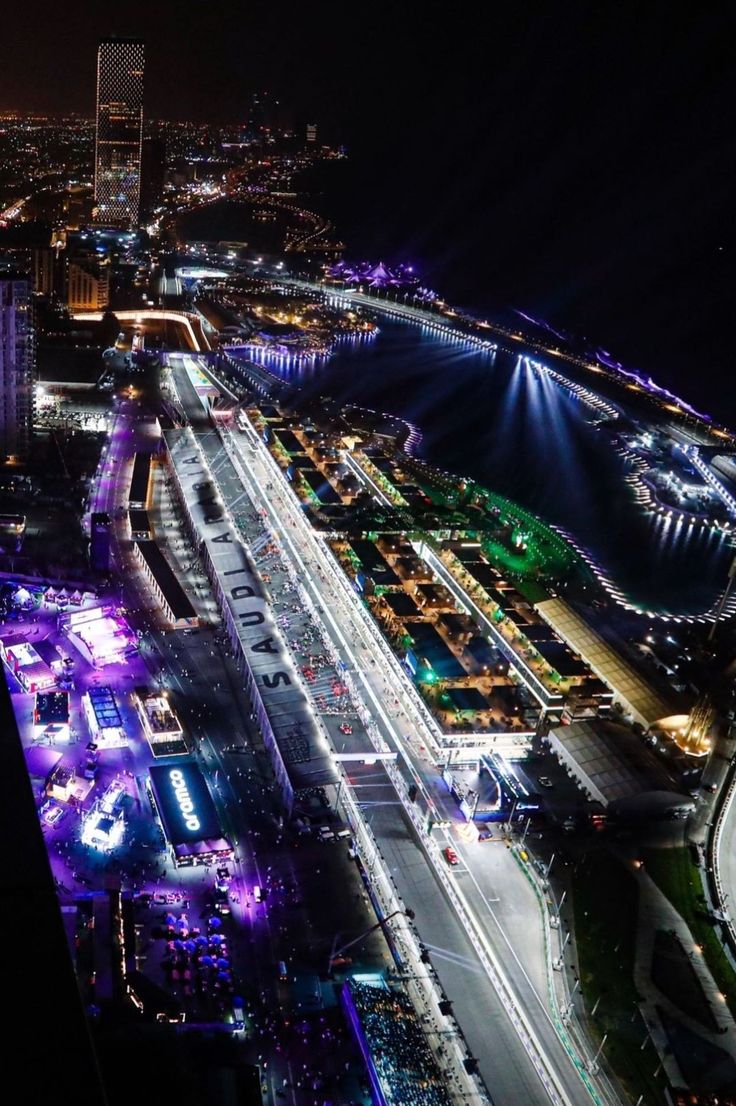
(380, 276)
(603, 357)
(101, 635)
(646, 382)
(542, 325)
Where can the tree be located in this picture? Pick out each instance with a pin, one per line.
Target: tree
(109, 329)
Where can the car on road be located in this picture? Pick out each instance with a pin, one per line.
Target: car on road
(222, 901)
(55, 815)
(485, 835)
(346, 728)
(450, 856)
(164, 898)
(545, 781)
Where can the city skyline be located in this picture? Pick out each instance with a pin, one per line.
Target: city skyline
(415, 123)
(367, 531)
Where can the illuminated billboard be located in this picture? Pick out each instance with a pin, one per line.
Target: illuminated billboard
(187, 812)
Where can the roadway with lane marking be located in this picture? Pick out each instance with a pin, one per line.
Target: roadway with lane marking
(269, 490)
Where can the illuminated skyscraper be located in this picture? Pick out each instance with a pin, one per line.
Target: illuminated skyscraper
(257, 112)
(119, 131)
(16, 364)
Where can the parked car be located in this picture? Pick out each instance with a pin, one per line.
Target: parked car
(222, 902)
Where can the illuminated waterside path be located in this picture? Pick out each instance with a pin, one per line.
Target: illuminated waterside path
(451, 320)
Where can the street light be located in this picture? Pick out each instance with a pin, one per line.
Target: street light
(593, 1065)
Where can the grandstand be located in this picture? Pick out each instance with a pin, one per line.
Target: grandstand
(401, 1066)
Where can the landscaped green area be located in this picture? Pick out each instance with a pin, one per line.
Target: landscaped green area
(674, 974)
(679, 878)
(605, 898)
(531, 590)
(514, 539)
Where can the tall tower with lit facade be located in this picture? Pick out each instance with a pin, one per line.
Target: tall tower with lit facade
(119, 134)
(16, 364)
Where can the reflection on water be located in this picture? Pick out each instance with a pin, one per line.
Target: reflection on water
(488, 416)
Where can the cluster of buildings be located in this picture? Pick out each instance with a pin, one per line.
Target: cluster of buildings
(480, 675)
(266, 318)
(51, 672)
(117, 195)
(139, 169)
(490, 653)
(73, 270)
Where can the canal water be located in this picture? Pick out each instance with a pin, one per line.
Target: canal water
(522, 435)
(486, 416)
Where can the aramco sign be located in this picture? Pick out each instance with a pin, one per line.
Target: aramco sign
(183, 798)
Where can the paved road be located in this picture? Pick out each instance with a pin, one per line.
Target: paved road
(520, 960)
(719, 775)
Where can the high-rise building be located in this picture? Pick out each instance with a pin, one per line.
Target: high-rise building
(49, 266)
(264, 113)
(311, 133)
(16, 364)
(153, 173)
(78, 206)
(257, 112)
(45, 271)
(119, 134)
(88, 284)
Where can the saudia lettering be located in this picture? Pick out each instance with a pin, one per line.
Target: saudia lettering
(186, 806)
(257, 618)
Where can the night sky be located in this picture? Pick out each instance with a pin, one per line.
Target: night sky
(575, 160)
